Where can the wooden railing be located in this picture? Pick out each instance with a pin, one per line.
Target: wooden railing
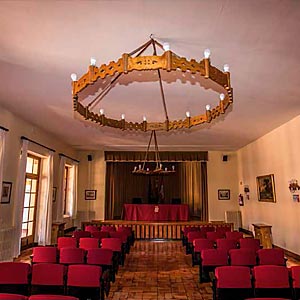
(155, 230)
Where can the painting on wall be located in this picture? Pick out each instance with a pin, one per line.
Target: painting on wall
(223, 194)
(266, 188)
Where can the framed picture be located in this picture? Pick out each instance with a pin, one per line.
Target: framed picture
(6, 192)
(90, 194)
(224, 194)
(266, 188)
(54, 194)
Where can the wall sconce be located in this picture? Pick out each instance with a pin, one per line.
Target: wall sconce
(293, 185)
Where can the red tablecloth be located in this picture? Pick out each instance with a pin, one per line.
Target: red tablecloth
(156, 212)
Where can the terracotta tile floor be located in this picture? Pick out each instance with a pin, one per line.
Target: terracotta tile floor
(159, 270)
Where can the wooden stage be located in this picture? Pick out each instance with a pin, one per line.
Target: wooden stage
(156, 230)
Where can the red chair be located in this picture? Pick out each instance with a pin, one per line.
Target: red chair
(115, 244)
(14, 277)
(295, 275)
(89, 243)
(84, 282)
(44, 254)
(207, 228)
(232, 282)
(191, 236)
(198, 246)
(223, 229)
(51, 297)
(100, 235)
(226, 244)
(250, 243)
(124, 238)
(210, 259)
(48, 279)
(91, 228)
(185, 231)
(81, 234)
(103, 258)
(5, 296)
(242, 257)
(273, 256)
(108, 228)
(66, 242)
(129, 233)
(233, 235)
(271, 281)
(72, 256)
(213, 235)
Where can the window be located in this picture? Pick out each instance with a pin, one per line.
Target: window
(30, 199)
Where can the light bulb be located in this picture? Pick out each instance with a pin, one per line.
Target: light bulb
(188, 114)
(222, 97)
(74, 77)
(207, 107)
(206, 53)
(166, 46)
(226, 68)
(93, 61)
(101, 111)
(123, 116)
(144, 118)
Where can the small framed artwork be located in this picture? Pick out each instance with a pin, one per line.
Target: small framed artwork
(224, 194)
(266, 188)
(54, 194)
(6, 192)
(90, 194)
(296, 198)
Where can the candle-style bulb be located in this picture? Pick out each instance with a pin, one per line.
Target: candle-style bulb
(74, 77)
(226, 68)
(206, 53)
(207, 107)
(144, 118)
(93, 61)
(188, 114)
(166, 46)
(101, 111)
(123, 116)
(222, 97)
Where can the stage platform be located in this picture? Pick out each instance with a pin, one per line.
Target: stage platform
(156, 230)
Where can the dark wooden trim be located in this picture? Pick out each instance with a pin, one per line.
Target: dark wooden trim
(3, 128)
(61, 154)
(246, 231)
(27, 139)
(289, 253)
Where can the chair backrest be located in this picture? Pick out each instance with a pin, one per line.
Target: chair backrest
(89, 243)
(250, 243)
(233, 235)
(5, 296)
(214, 235)
(44, 254)
(223, 229)
(80, 234)
(100, 256)
(195, 235)
(242, 257)
(66, 242)
(117, 234)
(188, 229)
(295, 275)
(84, 276)
(207, 228)
(100, 234)
(233, 277)
(52, 297)
(91, 228)
(269, 276)
(126, 229)
(70, 256)
(201, 244)
(115, 244)
(226, 244)
(214, 257)
(14, 273)
(273, 256)
(108, 228)
(48, 274)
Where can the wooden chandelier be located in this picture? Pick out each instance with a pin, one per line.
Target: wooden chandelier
(169, 62)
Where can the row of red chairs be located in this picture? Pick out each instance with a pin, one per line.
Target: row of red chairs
(212, 258)
(75, 280)
(239, 283)
(6, 296)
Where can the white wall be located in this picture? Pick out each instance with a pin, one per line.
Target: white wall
(221, 175)
(275, 153)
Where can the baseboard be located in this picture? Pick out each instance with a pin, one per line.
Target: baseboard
(289, 253)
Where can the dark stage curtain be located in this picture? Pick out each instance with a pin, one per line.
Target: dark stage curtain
(189, 183)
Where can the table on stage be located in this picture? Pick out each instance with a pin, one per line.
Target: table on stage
(156, 212)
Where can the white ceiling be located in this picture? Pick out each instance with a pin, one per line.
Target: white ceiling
(43, 42)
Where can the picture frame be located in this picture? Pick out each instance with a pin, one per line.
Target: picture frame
(90, 194)
(224, 194)
(6, 192)
(54, 190)
(266, 188)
